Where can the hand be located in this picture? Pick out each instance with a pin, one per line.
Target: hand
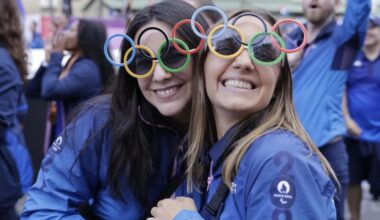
(353, 128)
(59, 42)
(48, 49)
(167, 209)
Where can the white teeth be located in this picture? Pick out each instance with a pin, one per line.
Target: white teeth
(238, 84)
(167, 92)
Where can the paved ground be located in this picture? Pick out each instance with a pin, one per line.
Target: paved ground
(370, 208)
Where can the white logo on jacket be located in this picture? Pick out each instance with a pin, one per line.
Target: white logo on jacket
(283, 187)
(57, 144)
(358, 63)
(233, 188)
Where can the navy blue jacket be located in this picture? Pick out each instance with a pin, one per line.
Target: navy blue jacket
(277, 176)
(64, 184)
(13, 107)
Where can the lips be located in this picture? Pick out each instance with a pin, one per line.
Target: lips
(239, 84)
(167, 91)
(313, 6)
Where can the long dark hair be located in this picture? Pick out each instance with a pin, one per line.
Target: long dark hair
(133, 155)
(91, 34)
(11, 35)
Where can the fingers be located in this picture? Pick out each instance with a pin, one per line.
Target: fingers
(182, 198)
(160, 203)
(154, 211)
(164, 202)
(58, 41)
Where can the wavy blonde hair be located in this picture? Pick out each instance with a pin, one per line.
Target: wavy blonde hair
(279, 113)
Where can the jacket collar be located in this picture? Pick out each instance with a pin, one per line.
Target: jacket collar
(217, 150)
(150, 116)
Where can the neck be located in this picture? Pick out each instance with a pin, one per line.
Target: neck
(225, 120)
(77, 54)
(313, 29)
(372, 51)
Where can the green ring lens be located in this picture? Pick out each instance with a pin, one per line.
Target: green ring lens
(174, 70)
(263, 63)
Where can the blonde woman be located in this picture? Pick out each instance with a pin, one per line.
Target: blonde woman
(245, 136)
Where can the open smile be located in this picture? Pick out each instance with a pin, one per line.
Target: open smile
(238, 84)
(167, 91)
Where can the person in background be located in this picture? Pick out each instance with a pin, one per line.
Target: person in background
(361, 110)
(85, 75)
(319, 76)
(36, 42)
(16, 174)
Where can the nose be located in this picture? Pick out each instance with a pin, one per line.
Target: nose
(243, 62)
(160, 75)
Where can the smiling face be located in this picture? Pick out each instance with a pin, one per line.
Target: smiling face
(170, 93)
(317, 11)
(238, 87)
(372, 37)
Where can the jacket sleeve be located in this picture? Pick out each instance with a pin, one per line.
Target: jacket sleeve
(9, 96)
(81, 80)
(68, 176)
(185, 214)
(349, 37)
(355, 22)
(290, 184)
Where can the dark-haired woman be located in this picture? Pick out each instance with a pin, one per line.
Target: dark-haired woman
(118, 154)
(15, 165)
(85, 75)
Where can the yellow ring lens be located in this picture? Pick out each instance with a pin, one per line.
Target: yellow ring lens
(212, 49)
(129, 71)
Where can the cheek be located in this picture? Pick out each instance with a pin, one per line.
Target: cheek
(269, 79)
(187, 74)
(214, 68)
(143, 83)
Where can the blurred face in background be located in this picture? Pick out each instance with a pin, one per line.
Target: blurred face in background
(373, 35)
(71, 37)
(317, 11)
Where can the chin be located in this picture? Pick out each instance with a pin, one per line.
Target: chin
(171, 110)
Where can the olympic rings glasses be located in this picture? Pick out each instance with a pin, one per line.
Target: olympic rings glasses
(260, 48)
(225, 41)
(170, 60)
